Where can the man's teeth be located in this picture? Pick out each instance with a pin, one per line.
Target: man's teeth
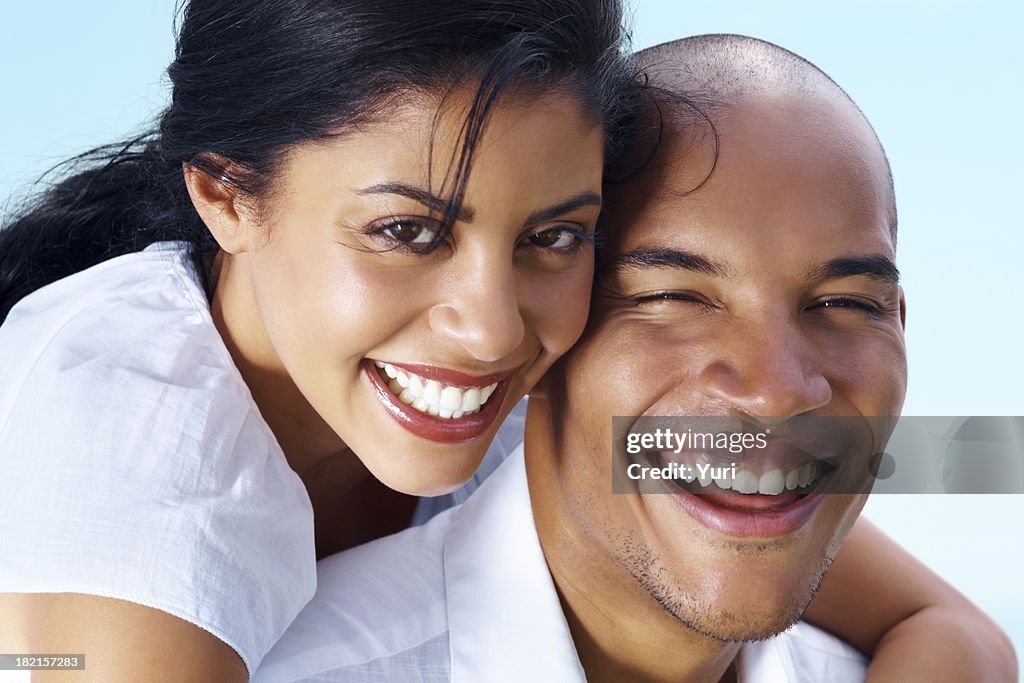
(726, 480)
(433, 398)
(772, 482)
(745, 482)
(704, 473)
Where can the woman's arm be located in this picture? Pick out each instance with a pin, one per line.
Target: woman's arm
(121, 641)
(914, 625)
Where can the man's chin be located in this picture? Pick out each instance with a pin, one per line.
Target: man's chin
(732, 618)
(739, 627)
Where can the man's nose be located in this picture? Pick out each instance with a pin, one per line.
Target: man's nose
(768, 369)
(480, 314)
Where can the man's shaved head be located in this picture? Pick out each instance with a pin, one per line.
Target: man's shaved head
(717, 72)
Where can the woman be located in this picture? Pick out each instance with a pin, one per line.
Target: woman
(341, 196)
(354, 215)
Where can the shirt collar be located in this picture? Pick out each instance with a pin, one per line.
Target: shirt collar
(504, 617)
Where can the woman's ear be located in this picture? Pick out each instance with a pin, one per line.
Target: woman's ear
(222, 207)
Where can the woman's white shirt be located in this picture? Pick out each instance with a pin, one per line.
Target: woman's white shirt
(134, 462)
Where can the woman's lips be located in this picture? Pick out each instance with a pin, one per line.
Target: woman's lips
(453, 377)
(466, 426)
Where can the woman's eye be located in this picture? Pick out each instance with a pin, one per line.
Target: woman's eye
(406, 234)
(563, 238)
(409, 232)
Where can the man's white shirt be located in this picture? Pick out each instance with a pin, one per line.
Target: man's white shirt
(468, 597)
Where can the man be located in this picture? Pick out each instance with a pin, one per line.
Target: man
(749, 276)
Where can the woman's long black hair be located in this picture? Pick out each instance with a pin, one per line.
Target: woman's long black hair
(251, 78)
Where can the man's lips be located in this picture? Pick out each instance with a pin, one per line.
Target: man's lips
(745, 502)
(722, 508)
(746, 479)
(449, 413)
(750, 515)
(777, 472)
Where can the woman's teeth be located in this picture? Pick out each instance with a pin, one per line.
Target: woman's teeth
(430, 396)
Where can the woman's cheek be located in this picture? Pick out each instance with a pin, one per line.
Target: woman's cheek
(373, 305)
(564, 304)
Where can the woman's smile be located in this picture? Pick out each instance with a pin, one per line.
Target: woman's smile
(432, 408)
(443, 393)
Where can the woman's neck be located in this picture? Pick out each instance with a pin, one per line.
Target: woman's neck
(350, 510)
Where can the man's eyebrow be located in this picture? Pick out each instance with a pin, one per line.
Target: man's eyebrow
(431, 201)
(874, 266)
(645, 257)
(580, 200)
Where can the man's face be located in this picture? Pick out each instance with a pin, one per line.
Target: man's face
(765, 294)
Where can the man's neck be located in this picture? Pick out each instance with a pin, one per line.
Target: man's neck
(620, 631)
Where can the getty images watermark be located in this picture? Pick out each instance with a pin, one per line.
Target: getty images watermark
(818, 454)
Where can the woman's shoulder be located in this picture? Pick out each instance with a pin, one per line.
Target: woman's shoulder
(116, 301)
(138, 465)
(134, 330)
(121, 367)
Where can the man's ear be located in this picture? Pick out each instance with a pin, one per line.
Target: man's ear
(222, 206)
(903, 309)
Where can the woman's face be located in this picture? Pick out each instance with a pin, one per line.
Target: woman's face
(412, 358)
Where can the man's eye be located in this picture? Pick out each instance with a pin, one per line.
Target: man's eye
(849, 303)
(669, 296)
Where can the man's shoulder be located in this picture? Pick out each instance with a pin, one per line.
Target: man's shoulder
(379, 609)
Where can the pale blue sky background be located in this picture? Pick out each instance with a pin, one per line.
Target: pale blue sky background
(942, 81)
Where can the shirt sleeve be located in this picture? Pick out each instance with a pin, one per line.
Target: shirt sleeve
(134, 465)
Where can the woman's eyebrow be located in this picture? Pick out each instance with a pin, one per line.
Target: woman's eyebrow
(875, 266)
(436, 203)
(647, 257)
(580, 200)
(418, 194)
